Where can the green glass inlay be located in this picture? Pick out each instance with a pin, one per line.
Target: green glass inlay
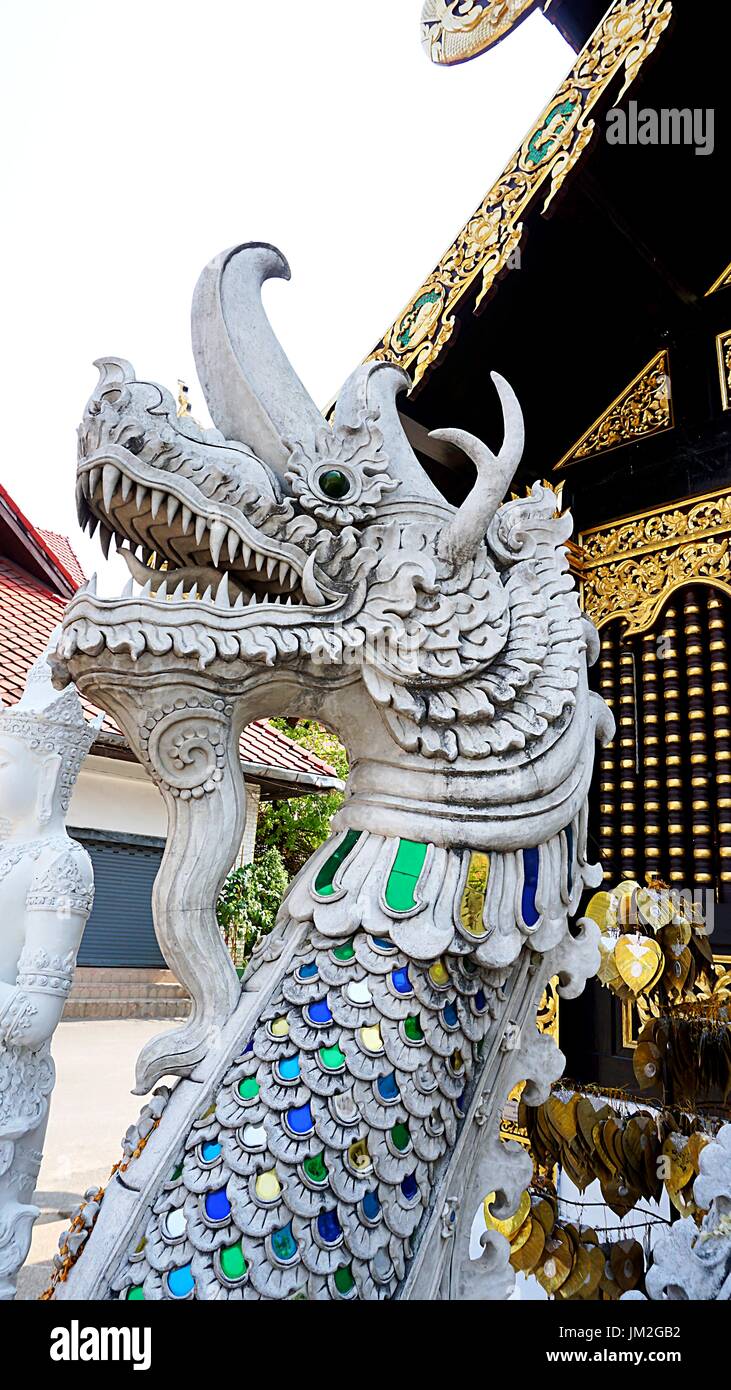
(412, 1028)
(176, 1173)
(332, 1057)
(344, 1280)
(334, 483)
(249, 1088)
(324, 880)
(316, 1168)
(403, 878)
(344, 953)
(401, 1137)
(233, 1264)
(135, 1293)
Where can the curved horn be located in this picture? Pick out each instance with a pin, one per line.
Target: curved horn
(374, 386)
(494, 474)
(252, 391)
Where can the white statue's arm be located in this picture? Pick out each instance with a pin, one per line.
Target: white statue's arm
(58, 905)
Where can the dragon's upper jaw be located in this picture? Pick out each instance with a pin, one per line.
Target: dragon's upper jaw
(166, 518)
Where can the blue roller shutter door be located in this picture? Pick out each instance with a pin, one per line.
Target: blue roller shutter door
(120, 930)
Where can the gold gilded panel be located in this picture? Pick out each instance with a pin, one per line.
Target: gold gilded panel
(644, 408)
(723, 348)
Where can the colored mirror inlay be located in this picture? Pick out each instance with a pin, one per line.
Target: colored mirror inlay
(233, 1263)
(569, 858)
(279, 1028)
(176, 1223)
(324, 880)
(371, 1206)
(382, 943)
(328, 1227)
(359, 1158)
(249, 1088)
(332, 1058)
(299, 1120)
(410, 1187)
(474, 893)
(181, 1281)
(438, 974)
(218, 1207)
(316, 1168)
(400, 981)
(288, 1068)
(318, 1013)
(450, 1016)
(401, 1137)
(344, 953)
(255, 1136)
(407, 866)
(135, 1293)
(268, 1186)
(308, 971)
(344, 1281)
(177, 1173)
(284, 1245)
(358, 992)
(210, 1151)
(412, 1029)
(388, 1087)
(531, 864)
(334, 484)
(371, 1038)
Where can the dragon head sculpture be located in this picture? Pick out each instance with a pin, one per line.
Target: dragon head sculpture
(324, 552)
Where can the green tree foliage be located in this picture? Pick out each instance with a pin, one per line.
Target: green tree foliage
(299, 826)
(249, 902)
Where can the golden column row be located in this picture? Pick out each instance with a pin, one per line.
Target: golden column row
(608, 758)
(674, 741)
(628, 760)
(700, 777)
(653, 741)
(721, 707)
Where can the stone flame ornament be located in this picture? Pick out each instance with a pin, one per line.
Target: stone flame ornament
(335, 1125)
(46, 895)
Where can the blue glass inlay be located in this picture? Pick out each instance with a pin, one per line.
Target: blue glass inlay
(318, 1012)
(329, 1227)
(383, 943)
(210, 1151)
(180, 1281)
(288, 1068)
(300, 1119)
(480, 1001)
(531, 863)
(249, 1046)
(450, 1015)
(410, 1187)
(570, 865)
(387, 1087)
(218, 1206)
(308, 971)
(400, 980)
(371, 1206)
(462, 1102)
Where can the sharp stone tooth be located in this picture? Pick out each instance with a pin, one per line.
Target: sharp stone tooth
(200, 529)
(156, 501)
(85, 488)
(206, 597)
(91, 586)
(239, 600)
(128, 589)
(146, 591)
(179, 592)
(233, 543)
(94, 476)
(126, 486)
(186, 516)
(222, 595)
(245, 555)
(283, 572)
(110, 477)
(105, 537)
(162, 591)
(173, 505)
(93, 523)
(258, 560)
(252, 601)
(271, 566)
(218, 536)
(140, 496)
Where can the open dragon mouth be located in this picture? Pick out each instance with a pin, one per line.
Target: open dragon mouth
(175, 540)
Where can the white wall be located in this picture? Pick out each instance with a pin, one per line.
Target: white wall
(115, 795)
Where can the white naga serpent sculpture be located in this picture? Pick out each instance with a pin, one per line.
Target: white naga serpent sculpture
(336, 1121)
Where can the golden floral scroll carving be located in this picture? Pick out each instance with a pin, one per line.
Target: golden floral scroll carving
(642, 409)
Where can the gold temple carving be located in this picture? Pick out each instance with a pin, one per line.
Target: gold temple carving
(625, 37)
(723, 348)
(644, 408)
(455, 30)
(629, 568)
(722, 283)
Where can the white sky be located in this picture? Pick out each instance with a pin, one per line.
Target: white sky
(142, 138)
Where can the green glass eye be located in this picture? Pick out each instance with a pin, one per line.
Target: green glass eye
(334, 484)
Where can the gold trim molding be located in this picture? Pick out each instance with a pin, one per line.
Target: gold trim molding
(723, 348)
(454, 30)
(642, 409)
(722, 283)
(636, 1013)
(627, 35)
(630, 568)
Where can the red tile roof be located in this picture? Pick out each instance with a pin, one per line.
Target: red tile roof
(29, 611)
(62, 549)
